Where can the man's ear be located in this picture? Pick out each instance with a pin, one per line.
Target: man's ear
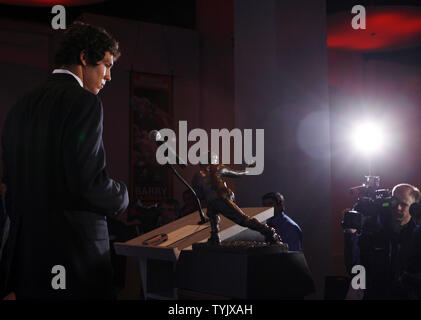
(83, 59)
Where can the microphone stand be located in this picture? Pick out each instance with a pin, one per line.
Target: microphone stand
(203, 220)
(154, 135)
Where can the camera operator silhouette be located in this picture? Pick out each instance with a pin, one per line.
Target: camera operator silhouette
(385, 245)
(220, 199)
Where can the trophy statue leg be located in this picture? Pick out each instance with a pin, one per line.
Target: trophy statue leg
(214, 223)
(269, 233)
(230, 210)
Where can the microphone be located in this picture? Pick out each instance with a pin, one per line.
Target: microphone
(154, 135)
(415, 210)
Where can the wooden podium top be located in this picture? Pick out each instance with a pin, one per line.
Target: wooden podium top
(182, 233)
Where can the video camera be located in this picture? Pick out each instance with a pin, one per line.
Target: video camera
(371, 202)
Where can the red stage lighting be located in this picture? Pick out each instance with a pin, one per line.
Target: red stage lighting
(387, 28)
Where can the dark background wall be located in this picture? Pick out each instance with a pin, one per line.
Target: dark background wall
(281, 87)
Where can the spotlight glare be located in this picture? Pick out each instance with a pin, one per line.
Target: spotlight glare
(368, 138)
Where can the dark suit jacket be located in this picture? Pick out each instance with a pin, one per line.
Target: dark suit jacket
(58, 193)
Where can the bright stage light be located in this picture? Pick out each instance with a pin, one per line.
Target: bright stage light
(368, 138)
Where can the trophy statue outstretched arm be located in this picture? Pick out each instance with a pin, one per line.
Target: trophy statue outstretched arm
(231, 173)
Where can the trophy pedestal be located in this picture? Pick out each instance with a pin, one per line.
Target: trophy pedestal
(243, 270)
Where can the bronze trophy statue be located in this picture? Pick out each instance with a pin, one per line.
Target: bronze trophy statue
(220, 199)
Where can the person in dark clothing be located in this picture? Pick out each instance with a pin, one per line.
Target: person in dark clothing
(411, 277)
(168, 211)
(190, 204)
(287, 229)
(4, 219)
(385, 247)
(59, 195)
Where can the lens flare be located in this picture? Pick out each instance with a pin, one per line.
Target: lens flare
(368, 138)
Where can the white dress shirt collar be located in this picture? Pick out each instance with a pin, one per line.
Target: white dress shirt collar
(69, 72)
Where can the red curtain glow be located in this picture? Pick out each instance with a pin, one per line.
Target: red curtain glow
(386, 28)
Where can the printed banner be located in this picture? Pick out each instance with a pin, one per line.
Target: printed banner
(150, 109)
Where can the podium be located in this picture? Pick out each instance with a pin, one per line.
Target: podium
(163, 275)
(157, 263)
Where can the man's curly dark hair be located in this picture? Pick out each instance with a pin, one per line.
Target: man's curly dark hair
(94, 41)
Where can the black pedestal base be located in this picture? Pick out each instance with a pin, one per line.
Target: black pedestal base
(243, 270)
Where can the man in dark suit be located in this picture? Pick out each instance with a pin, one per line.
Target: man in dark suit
(59, 195)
